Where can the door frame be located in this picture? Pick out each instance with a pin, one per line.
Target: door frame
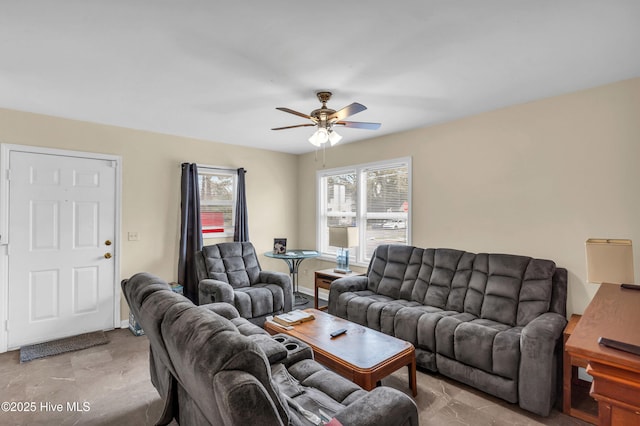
(5, 153)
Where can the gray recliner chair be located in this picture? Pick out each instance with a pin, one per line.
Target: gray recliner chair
(230, 272)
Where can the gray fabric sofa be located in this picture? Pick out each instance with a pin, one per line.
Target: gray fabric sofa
(230, 272)
(213, 367)
(492, 321)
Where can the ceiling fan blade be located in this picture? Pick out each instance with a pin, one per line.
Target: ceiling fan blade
(345, 112)
(291, 127)
(290, 111)
(360, 125)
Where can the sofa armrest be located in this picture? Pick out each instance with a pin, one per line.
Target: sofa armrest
(223, 309)
(297, 350)
(382, 406)
(233, 389)
(280, 279)
(211, 291)
(274, 350)
(539, 357)
(345, 285)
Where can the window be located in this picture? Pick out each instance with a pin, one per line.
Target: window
(374, 197)
(218, 189)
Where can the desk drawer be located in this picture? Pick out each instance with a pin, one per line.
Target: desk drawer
(324, 283)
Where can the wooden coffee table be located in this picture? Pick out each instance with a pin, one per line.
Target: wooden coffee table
(362, 355)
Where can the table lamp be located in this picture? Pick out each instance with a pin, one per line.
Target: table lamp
(609, 261)
(343, 237)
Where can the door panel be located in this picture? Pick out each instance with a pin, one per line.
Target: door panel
(44, 288)
(45, 224)
(61, 213)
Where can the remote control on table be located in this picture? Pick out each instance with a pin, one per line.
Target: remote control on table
(630, 286)
(338, 332)
(622, 346)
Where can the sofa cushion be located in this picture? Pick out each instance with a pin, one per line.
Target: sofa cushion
(536, 291)
(259, 299)
(417, 325)
(442, 279)
(372, 310)
(445, 332)
(509, 289)
(488, 345)
(504, 274)
(410, 321)
(393, 270)
(232, 263)
(355, 305)
(310, 374)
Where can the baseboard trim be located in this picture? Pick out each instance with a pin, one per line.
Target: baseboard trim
(309, 292)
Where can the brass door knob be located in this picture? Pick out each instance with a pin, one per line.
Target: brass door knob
(107, 243)
(107, 255)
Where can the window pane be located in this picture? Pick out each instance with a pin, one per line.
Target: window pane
(373, 197)
(217, 195)
(342, 198)
(215, 218)
(215, 187)
(387, 206)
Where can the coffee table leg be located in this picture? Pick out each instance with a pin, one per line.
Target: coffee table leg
(412, 377)
(365, 381)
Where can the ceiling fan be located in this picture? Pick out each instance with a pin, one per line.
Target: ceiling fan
(325, 118)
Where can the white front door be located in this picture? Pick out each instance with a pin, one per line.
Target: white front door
(62, 215)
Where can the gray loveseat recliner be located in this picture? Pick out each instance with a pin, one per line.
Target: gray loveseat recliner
(493, 321)
(230, 272)
(213, 367)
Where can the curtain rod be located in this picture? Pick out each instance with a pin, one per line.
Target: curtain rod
(227, 169)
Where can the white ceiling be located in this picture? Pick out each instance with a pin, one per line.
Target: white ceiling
(216, 70)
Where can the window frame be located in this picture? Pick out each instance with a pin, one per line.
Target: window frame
(220, 171)
(358, 255)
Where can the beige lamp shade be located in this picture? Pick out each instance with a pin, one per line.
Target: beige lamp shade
(343, 236)
(609, 261)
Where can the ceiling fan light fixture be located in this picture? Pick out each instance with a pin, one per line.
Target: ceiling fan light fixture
(334, 137)
(323, 135)
(314, 139)
(319, 137)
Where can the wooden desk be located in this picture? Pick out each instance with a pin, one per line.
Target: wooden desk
(323, 280)
(614, 313)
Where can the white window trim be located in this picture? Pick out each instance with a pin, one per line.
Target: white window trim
(359, 259)
(204, 168)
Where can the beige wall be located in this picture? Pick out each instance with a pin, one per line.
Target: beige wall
(151, 184)
(536, 179)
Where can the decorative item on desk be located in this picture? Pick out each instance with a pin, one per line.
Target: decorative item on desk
(279, 245)
(609, 261)
(343, 237)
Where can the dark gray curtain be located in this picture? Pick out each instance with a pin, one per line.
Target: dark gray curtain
(241, 232)
(190, 231)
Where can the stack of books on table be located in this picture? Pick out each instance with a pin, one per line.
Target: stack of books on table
(293, 318)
